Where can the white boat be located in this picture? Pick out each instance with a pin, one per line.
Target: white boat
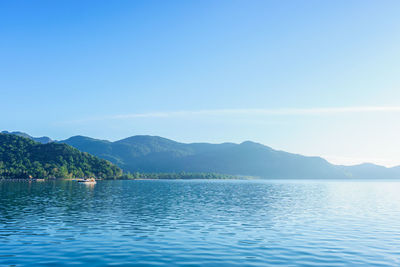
(87, 181)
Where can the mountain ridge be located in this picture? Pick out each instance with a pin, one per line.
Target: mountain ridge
(42, 140)
(246, 158)
(22, 157)
(155, 154)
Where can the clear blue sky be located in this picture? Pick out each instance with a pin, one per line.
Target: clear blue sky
(310, 77)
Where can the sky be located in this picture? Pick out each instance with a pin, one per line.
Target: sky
(318, 78)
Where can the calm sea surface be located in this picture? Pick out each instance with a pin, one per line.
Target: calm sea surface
(200, 222)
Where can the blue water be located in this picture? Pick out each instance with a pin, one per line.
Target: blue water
(200, 222)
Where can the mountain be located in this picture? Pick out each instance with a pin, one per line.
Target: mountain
(371, 171)
(156, 154)
(43, 139)
(22, 157)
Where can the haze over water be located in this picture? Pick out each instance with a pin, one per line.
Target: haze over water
(218, 222)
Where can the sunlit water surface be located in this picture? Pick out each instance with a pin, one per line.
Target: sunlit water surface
(200, 222)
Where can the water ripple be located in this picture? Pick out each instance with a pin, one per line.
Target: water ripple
(208, 223)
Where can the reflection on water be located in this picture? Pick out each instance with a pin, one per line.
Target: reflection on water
(200, 222)
(89, 185)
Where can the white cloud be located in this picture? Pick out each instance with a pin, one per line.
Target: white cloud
(249, 112)
(285, 111)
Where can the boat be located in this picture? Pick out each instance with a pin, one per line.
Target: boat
(87, 181)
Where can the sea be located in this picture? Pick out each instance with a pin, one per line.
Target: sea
(200, 223)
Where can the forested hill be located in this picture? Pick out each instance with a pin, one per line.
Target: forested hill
(153, 154)
(157, 157)
(21, 158)
(43, 139)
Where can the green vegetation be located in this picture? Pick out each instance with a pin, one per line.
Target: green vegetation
(22, 158)
(153, 157)
(181, 175)
(153, 154)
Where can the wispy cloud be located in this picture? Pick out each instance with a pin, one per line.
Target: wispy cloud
(248, 112)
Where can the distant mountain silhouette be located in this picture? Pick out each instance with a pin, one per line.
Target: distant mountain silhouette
(43, 139)
(144, 153)
(371, 171)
